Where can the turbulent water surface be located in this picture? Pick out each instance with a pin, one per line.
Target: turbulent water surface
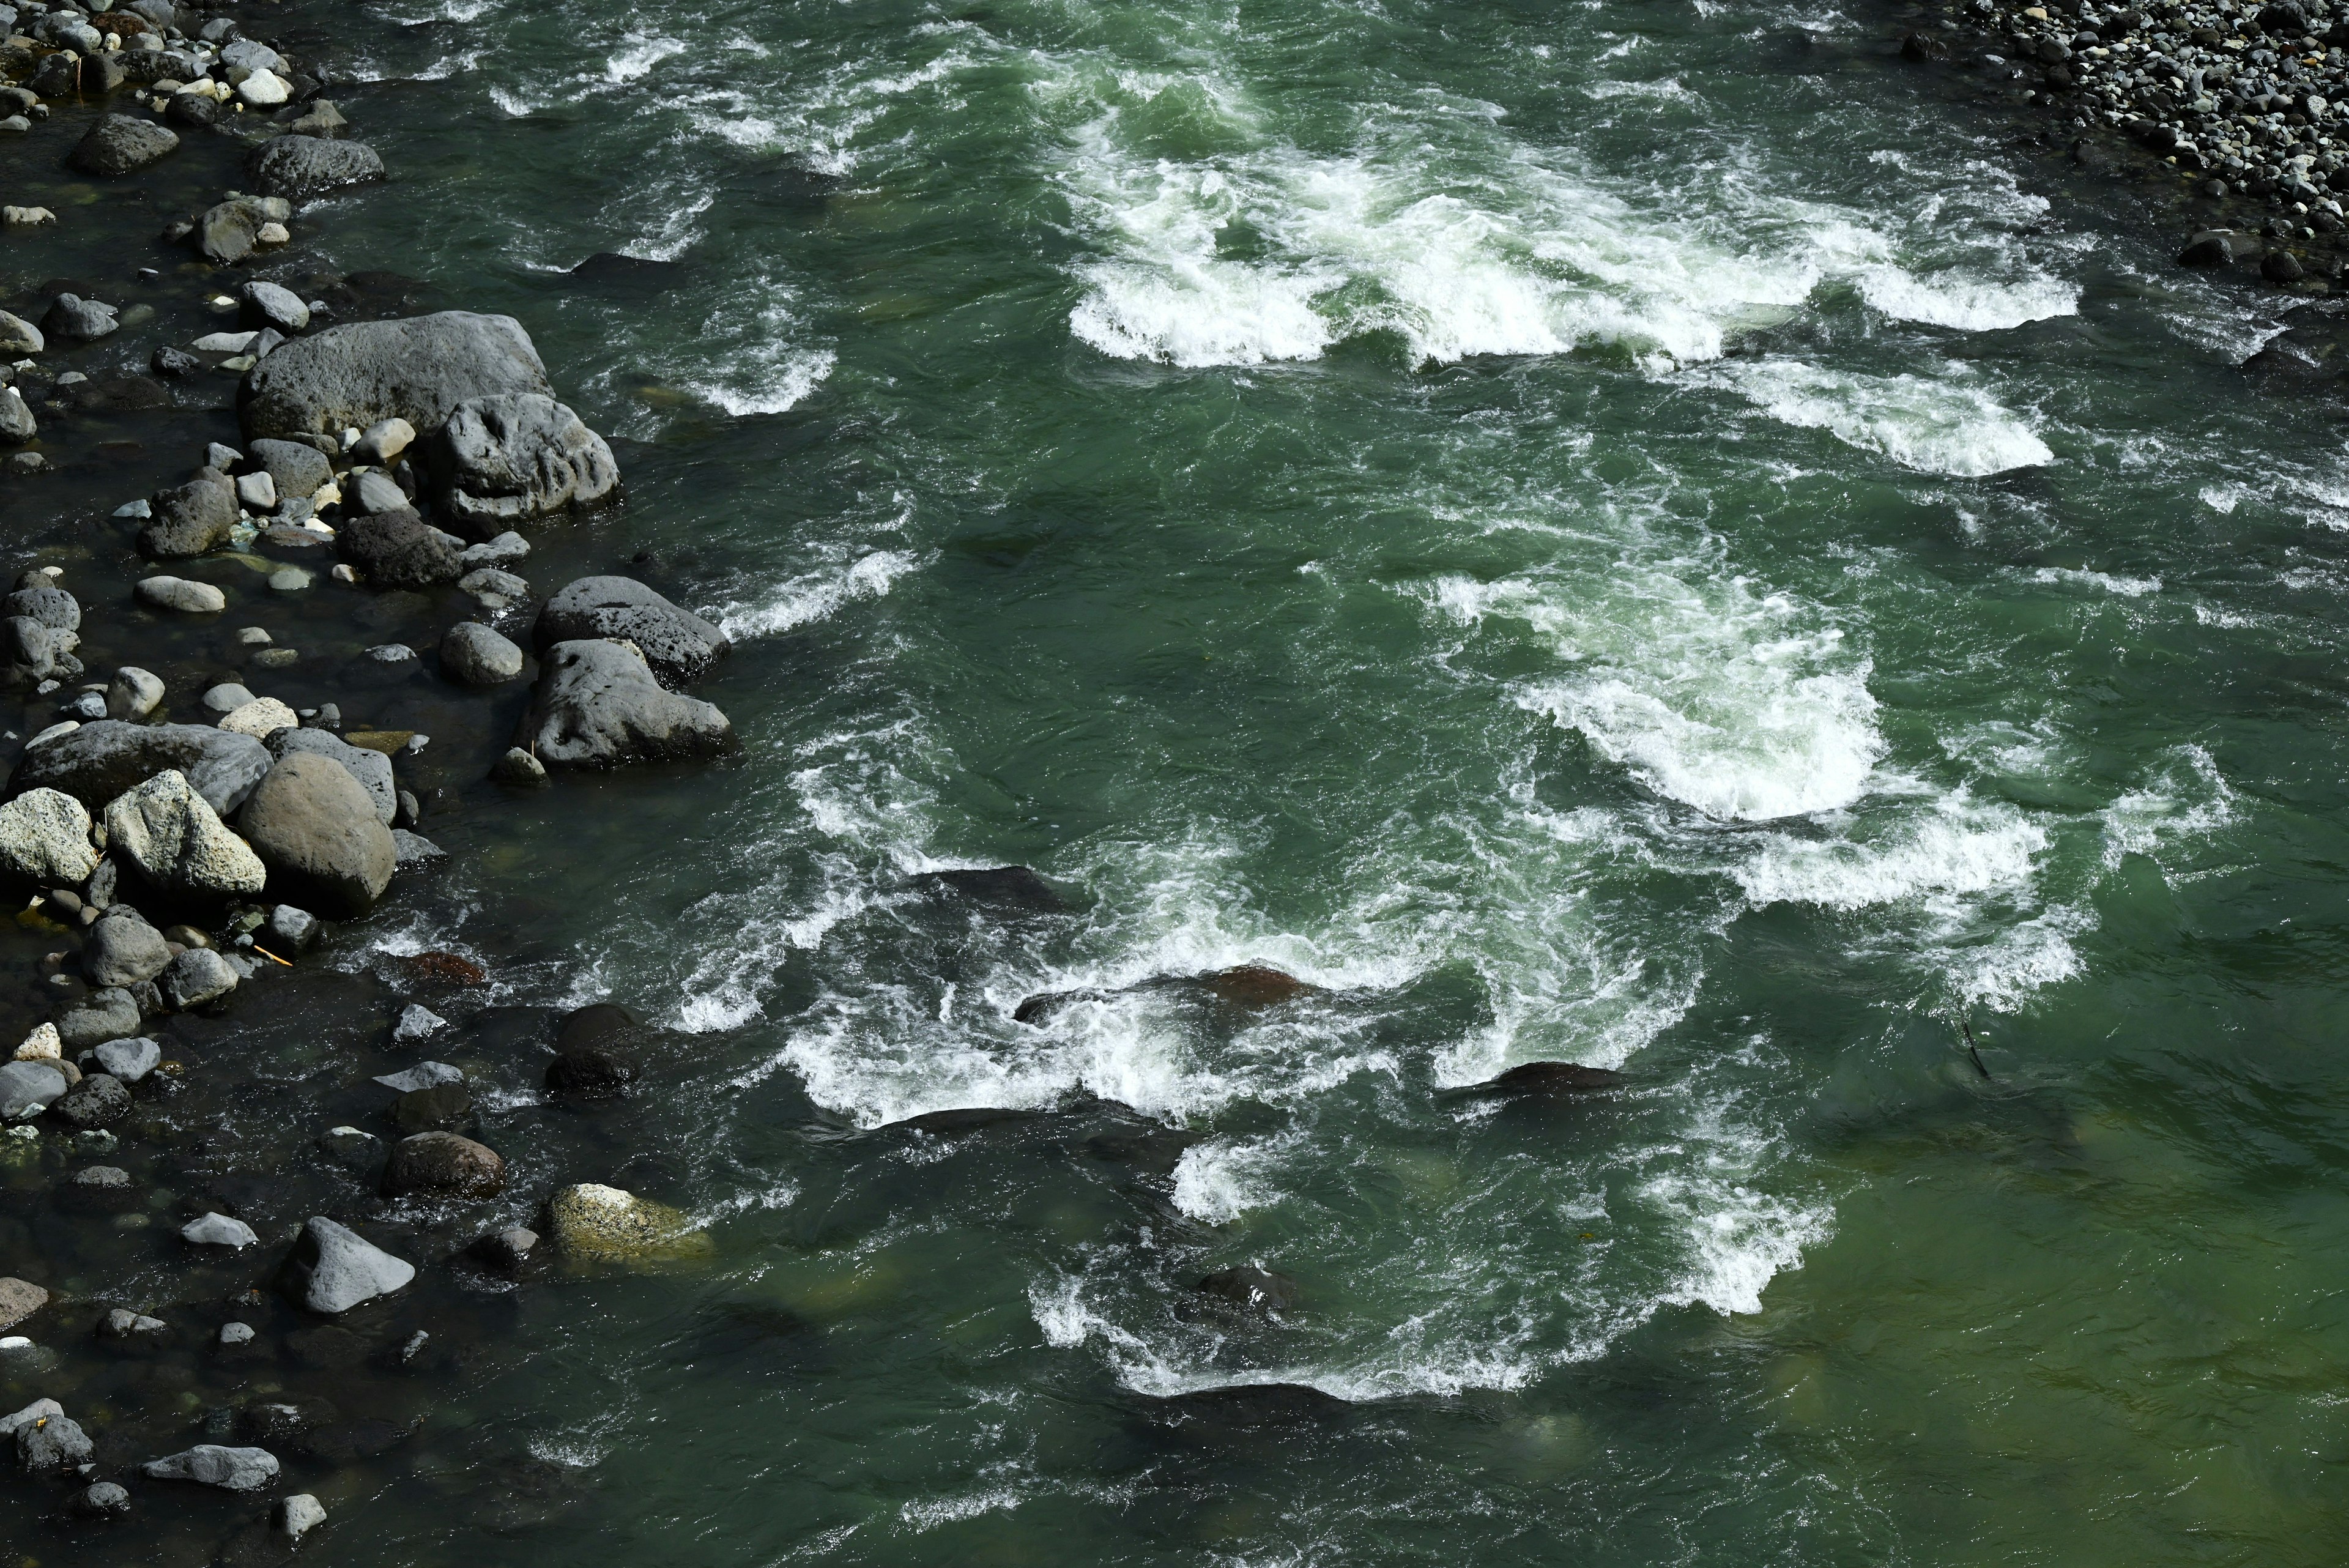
(1603, 533)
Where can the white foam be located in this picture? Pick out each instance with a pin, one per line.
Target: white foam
(815, 595)
(1932, 426)
(1958, 847)
(2020, 960)
(2188, 801)
(2126, 587)
(1955, 298)
(1218, 1181)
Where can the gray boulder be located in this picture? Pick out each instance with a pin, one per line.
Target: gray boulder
(194, 978)
(210, 1464)
(18, 335)
(45, 838)
(443, 1165)
(299, 168)
(130, 1059)
(99, 762)
(228, 232)
(294, 469)
(188, 520)
(183, 596)
(55, 1443)
(178, 841)
(274, 305)
(376, 492)
(333, 1269)
(372, 769)
(290, 930)
(28, 651)
(108, 1014)
(419, 369)
(395, 549)
(678, 645)
(471, 654)
(99, 1100)
(133, 693)
(506, 460)
(315, 828)
(17, 425)
(119, 144)
(414, 851)
(28, 1088)
(74, 319)
(123, 949)
(598, 706)
(46, 603)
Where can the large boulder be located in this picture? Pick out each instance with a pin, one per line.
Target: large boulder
(123, 949)
(333, 1269)
(188, 520)
(195, 977)
(301, 167)
(678, 645)
(108, 1014)
(107, 757)
(609, 1224)
(119, 144)
(28, 1088)
(472, 654)
(598, 706)
(443, 1165)
(372, 769)
(314, 826)
(45, 838)
(397, 550)
(419, 369)
(294, 469)
(179, 843)
(506, 460)
(230, 230)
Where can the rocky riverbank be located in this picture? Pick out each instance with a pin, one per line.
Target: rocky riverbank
(2241, 108)
(250, 1220)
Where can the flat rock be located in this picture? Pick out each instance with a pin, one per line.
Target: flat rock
(175, 838)
(315, 827)
(110, 1013)
(333, 1269)
(598, 706)
(210, 1464)
(101, 760)
(181, 595)
(423, 1075)
(299, 168)
(218, 1230)
(131, 1058)
(419, 369)
(678, 645)
(19, 1298)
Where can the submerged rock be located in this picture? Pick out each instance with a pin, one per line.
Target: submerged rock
(443, 1165)
(511, 459)
(398, 550)
(1012, 887)
(1248, 1285)
(1550, 1078)
(1248, 987)
(299, 168)
(598, 706)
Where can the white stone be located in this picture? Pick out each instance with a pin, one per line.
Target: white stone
(259, 718)
(264, 90)
(218, 1230)
(45, 838)
(256, 492)
(181, 594)
(224, 342)
(42, 1046)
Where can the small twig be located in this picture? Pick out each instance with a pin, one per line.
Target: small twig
(1973, 1050)
(273, 958)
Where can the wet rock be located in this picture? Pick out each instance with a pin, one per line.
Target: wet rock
(194, 978)
(590, 1070)
(1257, 1289)
(131, 1058)
(121, 1323)
(232, 230)
(19, 1300)
(419, 369)
(109, 1013)
(315, 827)
(1551, 1079)
(610, 1224)
(99, 763)
(296, 1516)
(17, 425)
(2280, 266)
(181, 595)
(101, 1500)
(73, 319)
(414, 852)
(290, 930)
(299, 168)
(519, 767)
(49, 1440)
(171, 833)
(45, 838)
(2208, 250)
(1012, 887)
(416, 1023)
(598, 706)
(233, 1335)
(506, 550)
(443, 1165)
(679, 646)
(219, 1231)
(99, 1100)
(506, 1251)
(473, 655)
(133, 694)
(274, 305)
(28, 1088)
(119, 144)
(423, 1075)
(19, 336)
(396, 549)
(333, 1269)
(351, 1147)
(511, 459)
(210, 1464)
(440, 1107)
(371, 770)
(492, 589)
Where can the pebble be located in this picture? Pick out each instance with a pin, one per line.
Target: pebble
(416, 1022)
(291, 579)
(218, 1230)
(236, 1334)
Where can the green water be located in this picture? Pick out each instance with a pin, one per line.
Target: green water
(1594, 533)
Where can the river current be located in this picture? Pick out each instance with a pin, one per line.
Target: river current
(1614, 534)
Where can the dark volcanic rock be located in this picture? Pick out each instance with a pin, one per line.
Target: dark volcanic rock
(1551, 1079)
(598, 706)
(436, 1107)
(119, 144)
(419, 369)
(1010, 887)
(1249, 1286)
(104, 759)
(301, 167)
(99, 1100)
(508, 460)
(443, 1165)
(678, 645)
(396, 549)
(188, 520)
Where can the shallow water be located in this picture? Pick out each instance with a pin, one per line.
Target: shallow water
(1604, 534)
